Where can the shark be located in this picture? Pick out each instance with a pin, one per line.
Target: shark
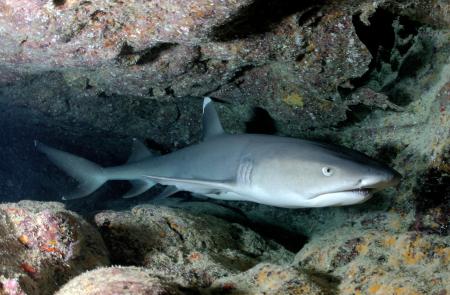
(267, 169)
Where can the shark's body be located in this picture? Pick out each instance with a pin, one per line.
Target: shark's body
(272, 170)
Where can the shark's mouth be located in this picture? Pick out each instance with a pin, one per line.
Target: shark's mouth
(361, 192)
(342, 198)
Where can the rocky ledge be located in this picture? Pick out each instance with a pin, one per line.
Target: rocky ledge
(168, 251)
(87, 76)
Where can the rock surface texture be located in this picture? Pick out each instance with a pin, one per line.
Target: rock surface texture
(372, 258)
(191, 250)
(119, 280)
(274, 279)
(42, 245)
(87, 76)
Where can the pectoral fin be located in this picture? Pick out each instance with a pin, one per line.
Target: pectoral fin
(167, 192)
(138, 187)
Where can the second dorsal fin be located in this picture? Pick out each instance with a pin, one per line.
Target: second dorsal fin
(139, 152)
(210, 120)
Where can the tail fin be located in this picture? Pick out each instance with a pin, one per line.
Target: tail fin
(89, 175)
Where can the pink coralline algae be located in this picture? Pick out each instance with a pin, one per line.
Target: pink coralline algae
(45, 245)
(11, 287)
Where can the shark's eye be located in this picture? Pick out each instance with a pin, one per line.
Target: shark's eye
(327, 171)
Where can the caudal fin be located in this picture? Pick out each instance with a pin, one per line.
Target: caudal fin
(89, 175)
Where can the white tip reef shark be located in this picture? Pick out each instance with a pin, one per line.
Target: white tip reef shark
(266, 169)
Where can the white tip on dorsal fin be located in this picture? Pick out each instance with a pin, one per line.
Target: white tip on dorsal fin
(139, 151)
(210, 120)
(206, 101)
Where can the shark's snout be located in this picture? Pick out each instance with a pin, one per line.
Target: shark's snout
(381, 179)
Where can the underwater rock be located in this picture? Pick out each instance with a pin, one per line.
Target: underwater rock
(368, 259)
(119, 280)
(370, 75)
(191, 250)
(434, 13)
(266, 278)
(43, 246)
(293, 59)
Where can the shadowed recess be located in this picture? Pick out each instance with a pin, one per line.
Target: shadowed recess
(259, 17)
(261, 122)
(391, 41)
(151, 54)
(432, 199)
(392, 56)
(59, 2)
(293, 242)
(128, 55)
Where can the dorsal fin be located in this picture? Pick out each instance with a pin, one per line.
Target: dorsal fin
(210, 120)
(139, 152)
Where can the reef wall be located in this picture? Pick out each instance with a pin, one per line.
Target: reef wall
(87, 76)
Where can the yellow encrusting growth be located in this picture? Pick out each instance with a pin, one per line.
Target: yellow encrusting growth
(362, 248)
(294, 99)
(374, 288)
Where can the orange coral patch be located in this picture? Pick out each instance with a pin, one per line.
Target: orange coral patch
(23, 239)
(194, 256)
(28, 268)
(374, 288)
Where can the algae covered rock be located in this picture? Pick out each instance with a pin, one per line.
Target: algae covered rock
(370, 257)
(42, 245)
(266, 278)
(119, 280)
(192, 250)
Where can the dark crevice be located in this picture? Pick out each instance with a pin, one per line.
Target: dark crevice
(88, 85)
(58, 3)
(155, 146)
(103, 94)
(128, 55)
(310, 17)
(415, 61)
(96, 15)
(257, 18)
(379, 39)
(355, 114)
(125, 50)
(291, 241)
(432, 200)
(169, 91)
(261, 122)
(153, 53)
(388, 43)
(379, 36)
(240, 73)
(300, 57)
(390, 40)
(387, 153)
